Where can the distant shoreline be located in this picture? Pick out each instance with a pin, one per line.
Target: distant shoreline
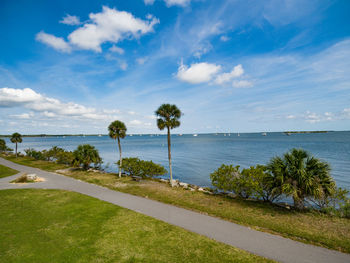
(139, 134)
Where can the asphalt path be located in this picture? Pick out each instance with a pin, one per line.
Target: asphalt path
(260, 243)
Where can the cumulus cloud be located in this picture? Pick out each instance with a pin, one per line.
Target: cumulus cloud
(177, 2)
(236, 72)
(116, 49)
(57, 43)
(110, 25)
(207, 72)
(197, 72)
(50, 107)
(70, 20)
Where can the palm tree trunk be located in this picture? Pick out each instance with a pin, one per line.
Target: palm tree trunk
(16, 149)
(120, 158)
(169, 157)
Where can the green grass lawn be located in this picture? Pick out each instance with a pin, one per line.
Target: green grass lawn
(44, 165)
(5, 171)
(308, 227)
(61, 226)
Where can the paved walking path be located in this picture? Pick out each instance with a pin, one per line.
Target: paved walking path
(260, 243)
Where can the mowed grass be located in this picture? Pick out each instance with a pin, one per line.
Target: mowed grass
(308, 227)
(44, 165)
(6, 171)
(61, 226)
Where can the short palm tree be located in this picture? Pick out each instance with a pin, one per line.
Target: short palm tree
(85, 154)
(117, 130)
(168, 117)
(16, 138)
(301, 175)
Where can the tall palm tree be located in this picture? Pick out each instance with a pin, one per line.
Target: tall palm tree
(16, 138)
(117, 130)
(301, 175)
(168, 117)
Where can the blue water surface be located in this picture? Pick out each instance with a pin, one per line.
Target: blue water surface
(195, 157)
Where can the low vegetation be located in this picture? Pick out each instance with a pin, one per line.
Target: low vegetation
(61, 226)
(297, 175)
(135, 167)
(6, 171)
(23, 179)
(249, 207)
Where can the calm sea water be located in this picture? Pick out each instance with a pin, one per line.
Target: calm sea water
(194, 158)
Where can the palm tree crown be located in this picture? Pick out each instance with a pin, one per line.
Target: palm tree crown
(168, 116)
(16, 138)
(117, 129)
(301, 175)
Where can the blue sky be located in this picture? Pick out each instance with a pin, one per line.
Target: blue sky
(230, 66)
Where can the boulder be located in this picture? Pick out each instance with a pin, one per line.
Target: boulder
(32, 177)
(184, 185)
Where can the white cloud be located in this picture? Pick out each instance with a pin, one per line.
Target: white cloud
(50, 107)
(242, 84)
(290, 117)
(313, 117)
(236, 72)
(197, 72)
(49, 114)
(24, 115)
(57, 43)
(110, 25)
(148, 2)
(224, 38)
(123, 65)
(135, 122)
(177, 2)
(70, 20)
(141, 61)
(116, 49)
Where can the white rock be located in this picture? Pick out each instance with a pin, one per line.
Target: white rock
(32, 177)
(201, 189)
(184, 185)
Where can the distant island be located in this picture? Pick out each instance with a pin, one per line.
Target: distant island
(288, 132)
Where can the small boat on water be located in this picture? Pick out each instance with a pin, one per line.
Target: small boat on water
(99, 135)
(195, 135)
(264, 134)
(238, 135)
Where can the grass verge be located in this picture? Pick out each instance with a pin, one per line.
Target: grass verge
(61, 226)
(6, 171)
(308, 227)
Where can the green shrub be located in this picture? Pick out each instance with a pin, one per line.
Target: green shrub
(135, 167)
(37, 155)
(85, 155)
(65, 157)
(3, 146)
(250, 182)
